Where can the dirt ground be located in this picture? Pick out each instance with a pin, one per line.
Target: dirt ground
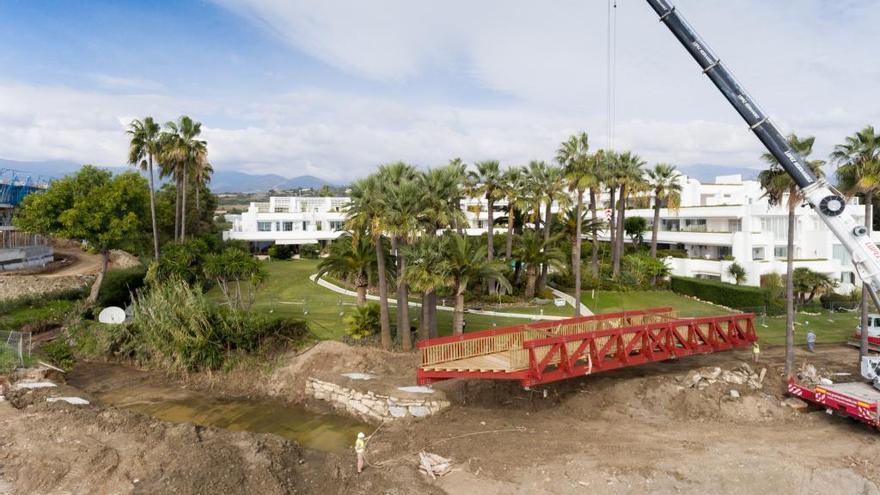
(634, 431)
(72, 268)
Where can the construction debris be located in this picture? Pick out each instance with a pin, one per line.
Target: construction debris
(434, 465)
(809, 375)
(741, 375)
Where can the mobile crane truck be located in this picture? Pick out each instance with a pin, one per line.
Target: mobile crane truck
(858, 400)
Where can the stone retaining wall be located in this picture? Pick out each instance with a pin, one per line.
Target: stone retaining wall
(371, 406)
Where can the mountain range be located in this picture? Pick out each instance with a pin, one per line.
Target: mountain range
(232, 181)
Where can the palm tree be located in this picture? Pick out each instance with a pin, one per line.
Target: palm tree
(403, 204)
(367, 211)
(426, 272)
(441, 199)
(598, 167)
(201, 177)
(458, 169)
(572, 155)
(534, 251)
(858, 172)
(145, 143)
(553, 185)
(664, 180)
(466, 261)
(183, 152)
(351, 257)
(512, 185)
(629, 178)
(487, 181)
(777, 184)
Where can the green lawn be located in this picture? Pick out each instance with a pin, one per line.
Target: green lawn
(53, 310)
(828, 327)
(289, 292)
(606, 302)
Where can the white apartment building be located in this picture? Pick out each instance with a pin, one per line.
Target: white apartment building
(717, 223)
(730, 220)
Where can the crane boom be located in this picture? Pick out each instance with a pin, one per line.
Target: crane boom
(826, 201)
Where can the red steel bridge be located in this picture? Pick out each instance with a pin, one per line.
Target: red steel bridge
(549, 351)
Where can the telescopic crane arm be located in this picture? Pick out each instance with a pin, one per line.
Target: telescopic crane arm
(826, 201)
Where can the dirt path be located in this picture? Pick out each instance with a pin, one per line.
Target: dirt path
(632, 431)
(81, 263)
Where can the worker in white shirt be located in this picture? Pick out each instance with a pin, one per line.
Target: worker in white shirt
(811, 341)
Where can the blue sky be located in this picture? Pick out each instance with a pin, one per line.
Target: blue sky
(334, 88)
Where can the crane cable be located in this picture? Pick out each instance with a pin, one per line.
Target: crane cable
(611, 69)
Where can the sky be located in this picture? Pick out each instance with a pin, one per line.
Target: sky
(335, 88)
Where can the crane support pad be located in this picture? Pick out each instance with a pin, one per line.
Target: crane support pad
(551, 351)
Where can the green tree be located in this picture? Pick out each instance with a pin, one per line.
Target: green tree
(628, 175)
(635, 228)
(512, 189)
(487, 182)
(403, 204)
(858, 172)
(364, 322)
(144, 145)
(573, 156)
(778, 186)
(91, 205)
(352, 258)
(182, 153)
(664, 181)
(466, 260)
(427, 272)
(550, 187)
(233, 268)
(367, 212)
(533, 251)
(738, 273)
(807, 283)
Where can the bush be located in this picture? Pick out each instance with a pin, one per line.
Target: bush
(280, 252)
(310, 251)
(674, 253)
(118, 286)
(183, 261)
(59, 353)
(8, 359)
(835, 301)
(733, 296)
(364, 322)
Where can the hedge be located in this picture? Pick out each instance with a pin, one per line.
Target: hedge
(732, 296)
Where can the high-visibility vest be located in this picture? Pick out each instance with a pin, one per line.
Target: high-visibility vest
(756, 348)
(360, 446)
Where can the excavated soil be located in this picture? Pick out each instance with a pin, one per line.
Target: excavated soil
(640, 430)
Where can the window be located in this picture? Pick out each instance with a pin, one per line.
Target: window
(319, 226)
(287, 226)
(758, 253)
(337, 225)
(847, 278)
(282, 209)
(264, 226)
(305, 225)
(780, 251)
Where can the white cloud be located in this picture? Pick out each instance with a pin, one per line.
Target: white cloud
(810, 67)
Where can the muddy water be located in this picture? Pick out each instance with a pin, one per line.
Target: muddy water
(114, 385)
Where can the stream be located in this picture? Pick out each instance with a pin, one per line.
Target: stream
(150, 394)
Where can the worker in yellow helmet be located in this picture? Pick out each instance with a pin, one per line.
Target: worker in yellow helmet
(756, 351)
(360, 447)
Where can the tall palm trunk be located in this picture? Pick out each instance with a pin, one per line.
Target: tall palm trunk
(96, 286)
(655, 227)
(384, 322)
(490, 234)
(177, 208)
(508, 252)
(432, 314)
(531, 275)
(425, 323)
(619, 231)
(863, 339)
(576, 254)
(183, 206)
(402, 299)
(594, 259)
(153, 209)
(789, 296)
(548, 222)
(458, 311)
(612, 225)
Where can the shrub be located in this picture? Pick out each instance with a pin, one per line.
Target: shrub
(118, 286)
(638, 270)
(737, 272)
(674, 253)
(734, 296)
(364, 322)
(179, 260)
(8, 359)
(59, 353)
(280, 252)
(310, 251)
(835, 301)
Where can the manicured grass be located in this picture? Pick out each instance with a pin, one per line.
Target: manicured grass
(828, 327)
(608, 302)
(289, 292)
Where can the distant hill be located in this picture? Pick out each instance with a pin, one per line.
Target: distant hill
(705, 172)
(221, 181)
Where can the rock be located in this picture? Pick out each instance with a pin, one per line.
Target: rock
(733, 377)
(693, 377)
(712, 374)
(419, 411)
(762, 375)
(734, 394)
(397, 412)
(796, 404)
(825, 381)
